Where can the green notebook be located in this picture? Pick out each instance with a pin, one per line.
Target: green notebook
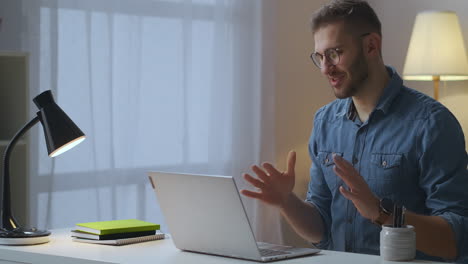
(116, 226)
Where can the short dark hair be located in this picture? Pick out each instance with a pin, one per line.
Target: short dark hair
(357, 15)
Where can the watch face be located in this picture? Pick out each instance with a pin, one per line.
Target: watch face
(387, 205)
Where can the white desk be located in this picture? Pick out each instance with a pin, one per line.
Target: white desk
(62, 250)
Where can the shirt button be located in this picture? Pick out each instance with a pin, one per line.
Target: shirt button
(327, 160)
(350, 220)
(355, 160)
(384, 163)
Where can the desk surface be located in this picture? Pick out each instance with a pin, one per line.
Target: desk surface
(62, 250)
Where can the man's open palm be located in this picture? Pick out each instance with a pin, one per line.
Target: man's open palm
(274, 186)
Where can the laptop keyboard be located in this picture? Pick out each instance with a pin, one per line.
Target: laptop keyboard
(265, 252)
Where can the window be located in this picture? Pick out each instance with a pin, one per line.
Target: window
(155, 85)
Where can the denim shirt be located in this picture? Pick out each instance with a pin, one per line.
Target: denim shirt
(411, 150)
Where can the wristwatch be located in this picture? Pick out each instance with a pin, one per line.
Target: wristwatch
(385, 211)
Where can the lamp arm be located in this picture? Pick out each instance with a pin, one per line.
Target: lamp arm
(7, 220)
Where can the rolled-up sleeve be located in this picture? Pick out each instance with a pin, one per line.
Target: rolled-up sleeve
(318, 193)
(444, 175)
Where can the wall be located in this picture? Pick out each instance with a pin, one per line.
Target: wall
(11, 25)
(14, 84)
(396, 36)
(300, 90)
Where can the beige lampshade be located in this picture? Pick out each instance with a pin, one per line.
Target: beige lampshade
(436, 48)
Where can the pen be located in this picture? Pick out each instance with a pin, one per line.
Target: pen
(402, 222)
(397, 216)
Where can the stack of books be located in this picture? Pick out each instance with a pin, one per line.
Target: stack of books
(116, 232)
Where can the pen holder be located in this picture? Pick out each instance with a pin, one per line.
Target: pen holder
(397, 243)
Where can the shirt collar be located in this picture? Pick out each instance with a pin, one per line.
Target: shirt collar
(352, 113)
(390, 92)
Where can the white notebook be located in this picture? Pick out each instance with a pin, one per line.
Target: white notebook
(119, 242)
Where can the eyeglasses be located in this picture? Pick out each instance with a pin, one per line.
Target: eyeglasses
(331, 55)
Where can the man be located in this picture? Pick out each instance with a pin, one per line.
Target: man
(379, 144)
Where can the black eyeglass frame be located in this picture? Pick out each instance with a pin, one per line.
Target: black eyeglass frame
(326, 54)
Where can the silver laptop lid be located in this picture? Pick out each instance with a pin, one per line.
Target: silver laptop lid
(205, 214)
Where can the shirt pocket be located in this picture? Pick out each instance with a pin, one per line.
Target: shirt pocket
(385, 170)
(326, 162)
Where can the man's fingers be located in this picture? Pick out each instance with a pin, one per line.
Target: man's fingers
(260, 173)
(254, 181)
(291, 162)
(347, 172)
(251, 194)
(342, 163)
(343, 175)
(347, 194)
(270, 169)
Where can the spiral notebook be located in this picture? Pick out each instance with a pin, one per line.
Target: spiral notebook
(120, 242)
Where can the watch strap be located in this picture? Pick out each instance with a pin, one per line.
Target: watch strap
(385, 211)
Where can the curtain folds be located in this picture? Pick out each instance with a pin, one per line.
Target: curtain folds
(155, 85)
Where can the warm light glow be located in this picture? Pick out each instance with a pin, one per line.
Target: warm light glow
(436, 48)
(431, 78)
(67, 146)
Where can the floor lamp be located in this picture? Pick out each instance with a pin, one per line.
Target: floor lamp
(436, 50)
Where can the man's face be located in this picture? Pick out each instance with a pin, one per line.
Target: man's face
(347, 77)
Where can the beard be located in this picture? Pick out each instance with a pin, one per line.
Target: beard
(358, 74)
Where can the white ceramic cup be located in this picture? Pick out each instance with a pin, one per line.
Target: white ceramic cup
(397, 243)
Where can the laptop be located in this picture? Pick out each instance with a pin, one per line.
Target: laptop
(205, 214)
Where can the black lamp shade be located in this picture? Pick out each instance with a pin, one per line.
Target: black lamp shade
(60, 131)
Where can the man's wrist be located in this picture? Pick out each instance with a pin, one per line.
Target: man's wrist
(376, 213)
(287, 201)
(385, 211)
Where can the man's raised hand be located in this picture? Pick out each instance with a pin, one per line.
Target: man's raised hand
(359, 192)
(273, 186)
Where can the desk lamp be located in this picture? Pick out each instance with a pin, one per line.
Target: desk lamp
(436, 51)
(61, 134)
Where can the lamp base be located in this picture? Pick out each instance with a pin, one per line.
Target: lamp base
(23, 236)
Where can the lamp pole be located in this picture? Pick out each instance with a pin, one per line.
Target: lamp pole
(7, 220)
(436, 80)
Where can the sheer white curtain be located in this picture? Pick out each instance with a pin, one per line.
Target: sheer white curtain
(155, 85)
